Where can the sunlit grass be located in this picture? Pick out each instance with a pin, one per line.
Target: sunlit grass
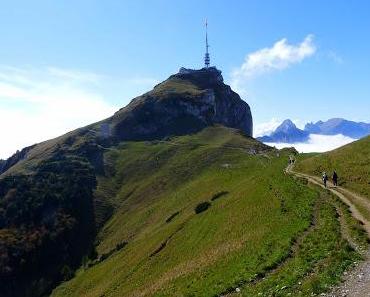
(352, 163)
(245, 233)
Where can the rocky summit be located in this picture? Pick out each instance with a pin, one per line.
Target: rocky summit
(184, 103)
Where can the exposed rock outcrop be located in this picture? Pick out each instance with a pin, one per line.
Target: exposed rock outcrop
(14, 159)
(2, 163)
(185, 103)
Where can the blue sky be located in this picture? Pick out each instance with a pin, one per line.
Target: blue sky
(64, 64)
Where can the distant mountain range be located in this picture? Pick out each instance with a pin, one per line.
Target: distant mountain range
(289, 133)
(339, 126)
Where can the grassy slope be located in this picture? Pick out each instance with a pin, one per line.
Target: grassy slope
(319, 256)
(244, 234)
(351, 161)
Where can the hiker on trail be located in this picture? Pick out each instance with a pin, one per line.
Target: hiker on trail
(324, 178)
(335, 178)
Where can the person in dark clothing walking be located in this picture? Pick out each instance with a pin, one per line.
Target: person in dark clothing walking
(335, 178)
(324, 178)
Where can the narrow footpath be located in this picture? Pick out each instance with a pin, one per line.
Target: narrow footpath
(356, 283)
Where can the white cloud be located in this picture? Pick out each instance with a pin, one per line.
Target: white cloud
(317, 143)
(266, 128)
(335, 57)
(81, 76)
(278, 57)
(38, 104)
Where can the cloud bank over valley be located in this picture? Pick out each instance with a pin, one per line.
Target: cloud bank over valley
(317, 143)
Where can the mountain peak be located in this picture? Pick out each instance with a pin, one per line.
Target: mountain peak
(287, 132)
(288, 122)
(285, 126)
(207, 75)
(185, 103)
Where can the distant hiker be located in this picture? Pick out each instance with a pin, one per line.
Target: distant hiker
(335, 178)
(324, 178)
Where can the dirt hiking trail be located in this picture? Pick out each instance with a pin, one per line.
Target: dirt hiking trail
(356, 283)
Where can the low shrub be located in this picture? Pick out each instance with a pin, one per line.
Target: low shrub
(203, 206)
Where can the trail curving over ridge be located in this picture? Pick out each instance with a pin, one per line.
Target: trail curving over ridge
(345, 195)
(356, 283)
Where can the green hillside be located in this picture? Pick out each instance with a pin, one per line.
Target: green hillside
(161, 199)
(352, 163)
(203, 214)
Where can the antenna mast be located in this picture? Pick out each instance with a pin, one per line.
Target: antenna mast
(207, 59)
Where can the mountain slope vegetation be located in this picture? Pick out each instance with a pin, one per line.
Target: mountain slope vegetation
(202, 214)
(352, 163)
(48, 201)
(46, 224)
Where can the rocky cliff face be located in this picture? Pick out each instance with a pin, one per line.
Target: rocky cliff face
(2, 163)
(18, 156)
(185, 103)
